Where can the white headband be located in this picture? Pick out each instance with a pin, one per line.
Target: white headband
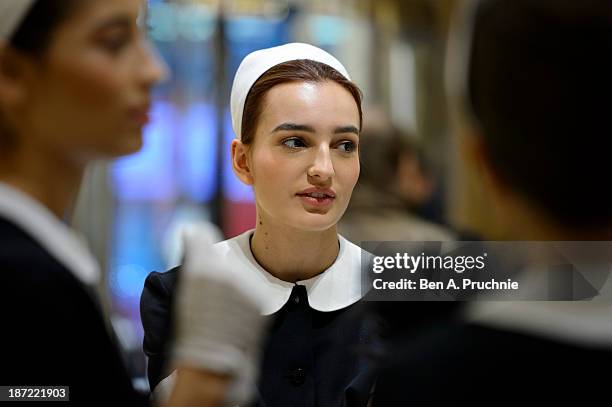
(255, 64)
(12, 13)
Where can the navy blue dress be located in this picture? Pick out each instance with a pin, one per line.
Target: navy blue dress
(54, 332)
(311, 358)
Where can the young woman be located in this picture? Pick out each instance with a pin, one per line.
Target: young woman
(297, 118)
(75, 84)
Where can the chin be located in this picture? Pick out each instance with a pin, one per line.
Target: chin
(316, 222)
(130, 144)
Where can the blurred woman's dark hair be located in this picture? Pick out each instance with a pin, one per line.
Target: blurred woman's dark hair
(33, 37)
(540, 83)
(35, 32)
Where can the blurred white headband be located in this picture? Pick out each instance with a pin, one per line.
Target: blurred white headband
(255, 64)
(12, 13)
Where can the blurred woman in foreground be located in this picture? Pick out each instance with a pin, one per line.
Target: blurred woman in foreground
(75, 85)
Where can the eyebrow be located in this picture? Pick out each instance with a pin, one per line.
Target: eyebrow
(116, 21)
(347, 129)
(310, 129)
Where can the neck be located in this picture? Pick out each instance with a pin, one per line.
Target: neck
(291, 254)
(49, 179)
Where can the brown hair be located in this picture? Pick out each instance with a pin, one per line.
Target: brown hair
(35, 32)
(33, 36)
(301, 70)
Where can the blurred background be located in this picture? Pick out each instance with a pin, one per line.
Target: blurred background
(133, 211)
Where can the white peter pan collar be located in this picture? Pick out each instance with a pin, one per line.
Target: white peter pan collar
(337, 287)
(53, 235)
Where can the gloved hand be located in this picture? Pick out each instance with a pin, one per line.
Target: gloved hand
(219, 324)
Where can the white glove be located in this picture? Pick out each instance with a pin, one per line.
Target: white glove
(219, 324)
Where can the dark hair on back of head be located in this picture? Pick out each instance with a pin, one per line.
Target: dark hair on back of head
(540, 84)
(35, 32)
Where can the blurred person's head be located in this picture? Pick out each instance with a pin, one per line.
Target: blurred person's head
(537, 85)
(393, 163)
(75, 80)
(298, 143)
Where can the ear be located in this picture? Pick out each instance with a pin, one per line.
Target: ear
(241, 163)
(14, 68)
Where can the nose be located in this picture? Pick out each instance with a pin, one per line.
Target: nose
(153, 69)
(322, 168)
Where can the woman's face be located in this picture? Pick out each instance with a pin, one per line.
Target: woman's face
(89, 95)
(304, 159)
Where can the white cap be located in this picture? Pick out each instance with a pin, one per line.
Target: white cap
(255, 64)
(12, 13)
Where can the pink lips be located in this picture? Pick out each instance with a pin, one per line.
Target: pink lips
(140, 115)
(317, 197)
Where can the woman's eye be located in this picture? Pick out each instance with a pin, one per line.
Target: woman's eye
(115, 44)
(294, 142)
(347, 146)
(115, 40)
